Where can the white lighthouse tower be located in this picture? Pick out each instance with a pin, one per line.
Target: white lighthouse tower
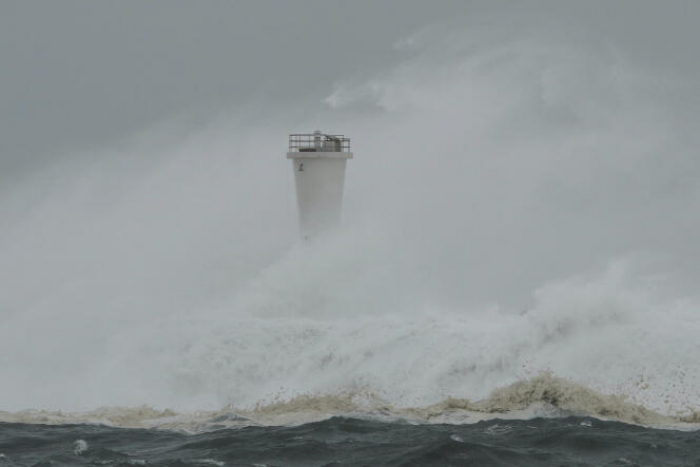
(319, 161)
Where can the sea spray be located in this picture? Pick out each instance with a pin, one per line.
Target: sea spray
(500, 179)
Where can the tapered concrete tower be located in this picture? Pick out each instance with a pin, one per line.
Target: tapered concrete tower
(319, 161)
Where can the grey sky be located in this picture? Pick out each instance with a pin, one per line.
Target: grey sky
(76, 74)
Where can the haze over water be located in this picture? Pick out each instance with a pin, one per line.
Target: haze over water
(522, 208)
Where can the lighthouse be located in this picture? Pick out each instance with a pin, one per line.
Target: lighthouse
(318, 161)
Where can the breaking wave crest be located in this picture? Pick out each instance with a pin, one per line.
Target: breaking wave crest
(542, 396)
(283, 351)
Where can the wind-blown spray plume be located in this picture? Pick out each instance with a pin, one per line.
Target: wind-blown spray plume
(498, 175)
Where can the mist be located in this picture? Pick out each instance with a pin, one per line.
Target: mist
(522, 196)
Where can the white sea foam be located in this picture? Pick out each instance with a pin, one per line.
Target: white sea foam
(207, 462)
(80, 446)
(601, 332)
(608, 344)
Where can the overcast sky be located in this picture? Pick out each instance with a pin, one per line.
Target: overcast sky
(78, 74)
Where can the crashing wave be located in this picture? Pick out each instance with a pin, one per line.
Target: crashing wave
(545, 395)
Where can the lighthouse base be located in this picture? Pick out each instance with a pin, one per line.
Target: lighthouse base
(319, 178)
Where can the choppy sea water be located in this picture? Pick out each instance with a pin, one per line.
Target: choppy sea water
(354, 442)
(544, 421)
(268, 379)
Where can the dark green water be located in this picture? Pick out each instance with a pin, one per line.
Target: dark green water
(571, 441)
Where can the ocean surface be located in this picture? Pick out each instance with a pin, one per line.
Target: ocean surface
(292, 369)
(598, 370)
(532, 422)
(576, 441)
